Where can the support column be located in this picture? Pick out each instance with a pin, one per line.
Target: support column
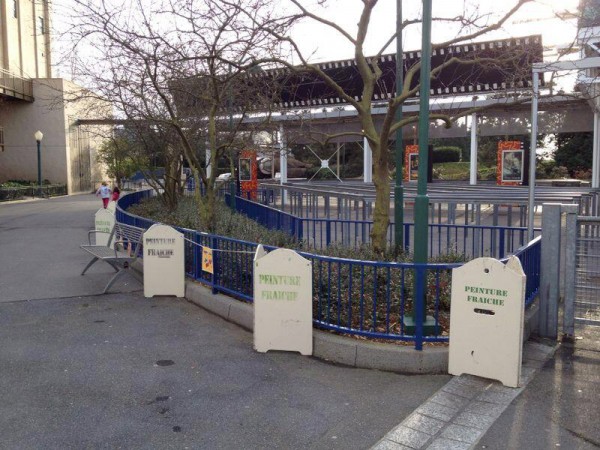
(550, 271)
(283, 154)
(208, 160)
(339, 148)
(532, 154)
(367, 161)
(596, 153)
(473, 164)
(570, 271)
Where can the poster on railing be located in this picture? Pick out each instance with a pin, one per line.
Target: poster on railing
(282, 301)
(486, 320)
(207, 260)
(104, 222)
(164, 257)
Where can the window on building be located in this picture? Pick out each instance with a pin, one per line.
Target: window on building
(42, 25)
(1, 139)
(15, 8)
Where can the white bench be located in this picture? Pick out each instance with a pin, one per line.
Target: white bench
(124, 251)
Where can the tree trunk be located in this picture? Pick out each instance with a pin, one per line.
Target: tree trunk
(172, 178)
(381, 212)
(207, 211)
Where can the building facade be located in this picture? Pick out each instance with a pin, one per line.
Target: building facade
(31, 100)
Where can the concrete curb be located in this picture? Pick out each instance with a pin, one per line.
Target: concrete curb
(339, 349)
(330, 347)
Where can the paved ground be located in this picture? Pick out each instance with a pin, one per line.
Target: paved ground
(82, 370)
(560, 407)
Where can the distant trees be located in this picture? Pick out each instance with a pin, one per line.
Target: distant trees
(181, 69)
(574, 151)
(116, 154)
(191, 66)
(470, 25)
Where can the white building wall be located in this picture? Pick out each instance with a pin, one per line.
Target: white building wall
(20, 121)
(24, 49)
(64, 142)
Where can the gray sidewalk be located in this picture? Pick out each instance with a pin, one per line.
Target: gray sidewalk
(82, 370)
(561, 406)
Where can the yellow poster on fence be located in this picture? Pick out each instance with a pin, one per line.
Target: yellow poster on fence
(207, 259)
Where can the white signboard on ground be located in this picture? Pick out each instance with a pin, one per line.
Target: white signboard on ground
(104, 222)
(164, 257)
(486, 320)
(112, 206)
(282, 301)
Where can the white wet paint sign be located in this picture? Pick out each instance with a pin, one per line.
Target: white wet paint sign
(104, 222)
(112, 206)
(486, 320)
(164, 268)
(282, 301)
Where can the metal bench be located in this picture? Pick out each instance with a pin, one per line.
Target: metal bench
(123, 252)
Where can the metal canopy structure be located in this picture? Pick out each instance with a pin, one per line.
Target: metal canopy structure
(540, 68)
(512, 70)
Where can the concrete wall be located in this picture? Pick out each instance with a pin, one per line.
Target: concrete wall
(58, 106)
(24, 50)
(20, 121)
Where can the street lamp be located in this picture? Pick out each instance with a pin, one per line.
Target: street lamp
(38, 137)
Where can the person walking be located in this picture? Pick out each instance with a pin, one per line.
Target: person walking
(104, 192)
(116, 193)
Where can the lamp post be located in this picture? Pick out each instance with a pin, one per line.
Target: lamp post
(421, 324)
(38, 138)
(398, 188)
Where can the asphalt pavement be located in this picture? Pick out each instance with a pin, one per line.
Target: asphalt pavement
(85, 370)
(79, 369)
(560, 408)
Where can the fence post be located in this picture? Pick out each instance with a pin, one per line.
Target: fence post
(419, 308)
(502, 243)
(215, 276)
(550, 270)
(328, 232)
(570, 263)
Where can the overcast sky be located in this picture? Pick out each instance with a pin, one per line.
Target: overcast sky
(324, 44)
(539, 17)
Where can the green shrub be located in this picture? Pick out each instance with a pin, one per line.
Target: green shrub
(544, 168)
(377, 282)
(446, 154)
(228, 224)
(585, 174)
(559, 172)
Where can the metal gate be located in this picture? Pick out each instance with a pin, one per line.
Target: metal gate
(80, 159)
(587, 271)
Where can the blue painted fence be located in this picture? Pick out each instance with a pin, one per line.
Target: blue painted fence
(355, 297)
(470, 240)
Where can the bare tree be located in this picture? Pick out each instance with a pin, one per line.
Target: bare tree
(471, 26)
(182, 65)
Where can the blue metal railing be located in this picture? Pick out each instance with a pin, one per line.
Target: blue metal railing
(366, 298)
(469, 240)
(530, 256)
(268, 217)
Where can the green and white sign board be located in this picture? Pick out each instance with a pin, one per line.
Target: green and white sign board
(486, 320)
(104, 222)
(282, 301)
(112, 206)
(164, 262)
